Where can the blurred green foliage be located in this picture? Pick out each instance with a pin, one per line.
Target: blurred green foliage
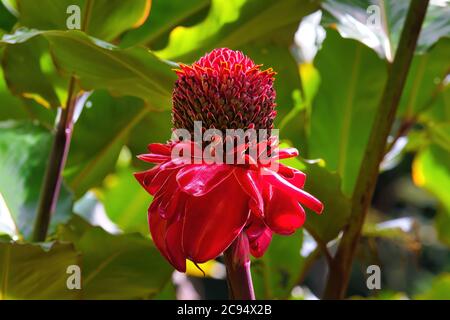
(124, 65)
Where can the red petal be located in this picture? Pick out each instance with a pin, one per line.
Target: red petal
(259, 236)
(198, 180)
(302, 196)
(146, 177)
(174, 247)
(287, 153)
(153, 158)
(249, 182)
(284, 215)
(159, 148)
(172, 207)
(165, 170)
(159, 230)
(259, 246)
(213, 221)
(294, 176)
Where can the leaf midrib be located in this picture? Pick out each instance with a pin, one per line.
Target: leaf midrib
(104, 51)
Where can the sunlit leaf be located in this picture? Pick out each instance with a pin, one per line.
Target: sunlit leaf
(164, 16)
(234, 24)
(105, 18)
(36, 271)
(378, 23)
(431, 170)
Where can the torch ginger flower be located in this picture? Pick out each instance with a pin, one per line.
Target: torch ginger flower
(200, 209)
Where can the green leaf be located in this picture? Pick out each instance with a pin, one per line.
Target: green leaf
(116, 266)
(234, 24)
(164, 16)
(439, 111)
(93, 156)
(275, 274)
(153, 128)
(352, 81)
(99, 65)
(24, 150)
(125, 201)
(36, 271)
(295, 125)
(384, 37)
(440, 289)
(7, 19)
(425, 77)
(106, 19)
(12, 107)
(24, 75)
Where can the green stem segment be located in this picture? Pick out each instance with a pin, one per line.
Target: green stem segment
(58, 155)
(365, 185)
(239, 278)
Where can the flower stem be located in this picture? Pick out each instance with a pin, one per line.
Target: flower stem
(239, 277)
(341, 266)
(58, 155)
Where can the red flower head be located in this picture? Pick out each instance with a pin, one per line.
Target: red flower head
(200, 208)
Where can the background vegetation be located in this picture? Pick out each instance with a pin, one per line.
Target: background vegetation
(118, 74)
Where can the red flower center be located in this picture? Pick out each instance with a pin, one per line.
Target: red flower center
(225, 90)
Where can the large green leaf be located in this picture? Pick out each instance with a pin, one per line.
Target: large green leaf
(24, 75)
(164, 16)
(106, 18)
(36, 271)
(93, 156)
(425, 77)
(99, 65)
(352, 80)
(116, 266)
(440, 109)
(276, 272)
(14, 108)
(233, 24)
(24, 150)
(357, 19)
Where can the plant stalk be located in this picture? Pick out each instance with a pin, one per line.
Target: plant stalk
(340, 269)
(239, 278)
(52, 180)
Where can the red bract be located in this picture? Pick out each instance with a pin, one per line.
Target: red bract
(199, 209)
